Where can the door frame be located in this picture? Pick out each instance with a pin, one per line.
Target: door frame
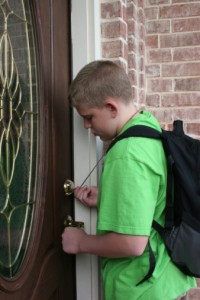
(85, 36)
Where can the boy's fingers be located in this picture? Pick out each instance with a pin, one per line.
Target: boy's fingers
(81, 192)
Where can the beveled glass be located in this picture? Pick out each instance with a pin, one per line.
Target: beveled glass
(19, 124)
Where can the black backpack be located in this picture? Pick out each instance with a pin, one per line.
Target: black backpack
(181, 232)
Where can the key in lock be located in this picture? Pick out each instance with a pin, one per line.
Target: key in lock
(69, 222)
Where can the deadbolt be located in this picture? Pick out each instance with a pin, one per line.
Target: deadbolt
(68, 222)
(69, 187)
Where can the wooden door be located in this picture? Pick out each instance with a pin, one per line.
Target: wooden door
(35, 150)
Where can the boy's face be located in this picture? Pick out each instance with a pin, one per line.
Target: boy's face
(101, 121)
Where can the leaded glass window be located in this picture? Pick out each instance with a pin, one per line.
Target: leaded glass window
(18, 133)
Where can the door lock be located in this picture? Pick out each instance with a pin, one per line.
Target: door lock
(69, 187)
(68, 222)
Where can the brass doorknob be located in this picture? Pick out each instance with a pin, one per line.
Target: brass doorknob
(68, 222)
(69, 187)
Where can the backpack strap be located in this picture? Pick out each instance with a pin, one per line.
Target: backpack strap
(178, 127)
(152, 264)
(137, 131)
(169, 211)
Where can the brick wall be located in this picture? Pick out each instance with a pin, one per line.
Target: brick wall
(173, 61)
(158, 43)
(123, 33)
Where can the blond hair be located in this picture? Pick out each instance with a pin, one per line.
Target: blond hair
(98, 81)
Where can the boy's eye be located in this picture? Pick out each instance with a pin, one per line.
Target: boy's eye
(88, 118)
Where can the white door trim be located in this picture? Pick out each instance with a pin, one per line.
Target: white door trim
(85, 24)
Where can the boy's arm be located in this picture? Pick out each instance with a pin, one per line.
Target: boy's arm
(112, 244)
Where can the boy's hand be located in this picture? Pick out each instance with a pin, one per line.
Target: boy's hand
(87, 195)
(71, 239)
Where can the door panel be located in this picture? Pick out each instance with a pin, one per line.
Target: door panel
(46, 273)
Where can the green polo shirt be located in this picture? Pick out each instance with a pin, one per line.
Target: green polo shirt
(132, 194)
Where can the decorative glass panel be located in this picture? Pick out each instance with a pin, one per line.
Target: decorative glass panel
(18, 133)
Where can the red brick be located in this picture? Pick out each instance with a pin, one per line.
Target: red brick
(132, 60)
(132, 44)
(111, 10)
(177, 11)
(124, 13)
(187, 84)
(194, 128)
(180, 40)
(151, 13)
(180, 100)
(140, 32)
(142, 97)
(184, 25)
(141, 80)
(158, 2)
(182, 1)
(140, 3)
(159, 55)
(132, 25)
(163, 114)
(185, 54)
(131, 11)
(153, 70)
(159, 85)
(112, 49)
(125, 51)
(152, 41)
(186, 114)
(114, 29)
(135, 2)
(180, 70)
(161, 26)
(198, 281)
(141, 64)
(140, 16)
(141, 50)
(153, 100)
(133, 77)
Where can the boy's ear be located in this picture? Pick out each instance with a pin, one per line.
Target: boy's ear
(113, 106)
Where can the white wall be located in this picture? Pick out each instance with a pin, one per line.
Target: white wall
(85, 18)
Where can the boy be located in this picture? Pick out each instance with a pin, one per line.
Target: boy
(131, 193)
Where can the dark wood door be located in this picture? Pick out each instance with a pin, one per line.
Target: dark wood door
(41, 270)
